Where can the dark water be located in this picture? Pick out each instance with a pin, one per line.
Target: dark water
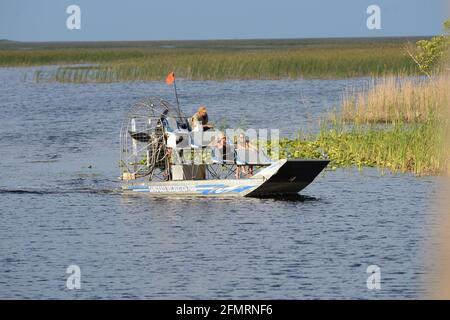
(60, 205)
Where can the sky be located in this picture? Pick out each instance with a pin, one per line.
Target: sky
(107, 20)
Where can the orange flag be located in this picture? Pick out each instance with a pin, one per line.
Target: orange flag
(170, 78)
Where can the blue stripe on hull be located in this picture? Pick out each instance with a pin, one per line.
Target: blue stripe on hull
(199, 189)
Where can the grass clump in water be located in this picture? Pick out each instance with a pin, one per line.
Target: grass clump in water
(398, 128)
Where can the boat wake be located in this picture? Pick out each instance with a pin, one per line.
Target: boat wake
(116, 191)
(293, 198)
(60, 191)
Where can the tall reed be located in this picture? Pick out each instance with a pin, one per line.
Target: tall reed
(411, 137)
(394, 99)
(261, 64)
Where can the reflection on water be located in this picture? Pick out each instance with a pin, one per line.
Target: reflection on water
(61, 205)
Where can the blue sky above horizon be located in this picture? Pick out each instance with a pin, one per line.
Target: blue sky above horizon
(107, 20)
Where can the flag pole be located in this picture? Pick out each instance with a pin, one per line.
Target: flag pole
(176, 95)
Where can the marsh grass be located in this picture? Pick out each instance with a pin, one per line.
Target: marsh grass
(401, 147)
(398, 99)
(214, 60)
(400, 126)
(273, 64)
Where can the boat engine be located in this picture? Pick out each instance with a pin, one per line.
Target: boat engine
(143, 140)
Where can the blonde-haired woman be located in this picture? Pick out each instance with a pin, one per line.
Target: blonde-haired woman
(199, 121)
(244, 144)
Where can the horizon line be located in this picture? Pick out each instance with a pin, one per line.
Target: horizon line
(220, 39)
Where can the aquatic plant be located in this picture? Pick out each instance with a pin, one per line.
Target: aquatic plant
(400, 147)
(400, 126)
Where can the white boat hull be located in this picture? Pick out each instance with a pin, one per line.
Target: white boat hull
(283, 178)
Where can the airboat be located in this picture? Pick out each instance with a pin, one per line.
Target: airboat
(161, 154)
